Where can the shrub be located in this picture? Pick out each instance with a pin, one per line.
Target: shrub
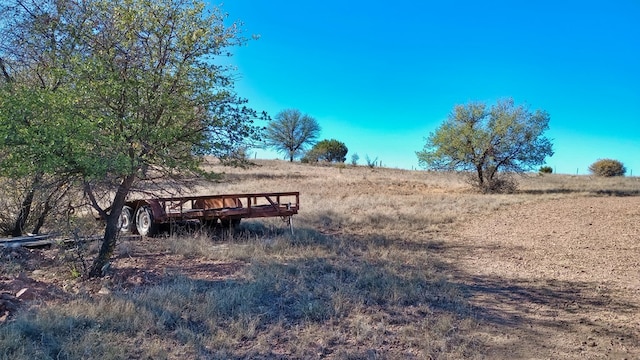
(503, 183)
(311, 156)
(607, 167)
(371, 163)
(327, 150)
(546, 170)
(354, 159)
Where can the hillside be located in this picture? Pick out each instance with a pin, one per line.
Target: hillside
(383, 264)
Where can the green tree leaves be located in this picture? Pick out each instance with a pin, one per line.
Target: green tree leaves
(505, 138)
(115, 92)
(327, 150)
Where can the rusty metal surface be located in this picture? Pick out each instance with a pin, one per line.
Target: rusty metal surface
(254, 205)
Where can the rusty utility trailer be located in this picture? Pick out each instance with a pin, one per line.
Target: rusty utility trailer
(147, 216)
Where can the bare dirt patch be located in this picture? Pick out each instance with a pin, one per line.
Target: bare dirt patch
(44, 277)
(554, 279)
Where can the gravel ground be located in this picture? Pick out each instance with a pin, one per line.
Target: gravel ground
(558, 279)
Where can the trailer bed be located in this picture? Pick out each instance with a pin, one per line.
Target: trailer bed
(145, 216)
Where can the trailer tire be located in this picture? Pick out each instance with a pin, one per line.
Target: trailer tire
(144, 222)
(126, 220)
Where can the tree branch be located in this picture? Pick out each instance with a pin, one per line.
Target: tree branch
(94, 203)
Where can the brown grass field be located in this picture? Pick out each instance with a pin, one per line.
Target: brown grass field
(383, 264)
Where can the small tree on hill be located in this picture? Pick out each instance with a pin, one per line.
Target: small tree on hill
(607, 168)
(354, 159)
(545, 170)
(291, 132)
(327, 150)
(485, 142)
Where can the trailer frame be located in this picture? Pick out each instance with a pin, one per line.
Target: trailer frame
(146, 216)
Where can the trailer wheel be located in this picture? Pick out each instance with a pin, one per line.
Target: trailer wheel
(126, 223)
(144, 222)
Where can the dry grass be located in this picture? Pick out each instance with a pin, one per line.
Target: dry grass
(359, 278)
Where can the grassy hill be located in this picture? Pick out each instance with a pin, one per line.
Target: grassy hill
(363, 276)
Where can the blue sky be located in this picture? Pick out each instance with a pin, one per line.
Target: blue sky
(380, 76)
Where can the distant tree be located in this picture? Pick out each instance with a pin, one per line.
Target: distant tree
(607, 168)
(327, 150)
(545, 170)
(291, 132)
(354, 159)
(505, 138)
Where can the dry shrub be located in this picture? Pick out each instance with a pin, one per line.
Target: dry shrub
(500, 183)
(607, 168)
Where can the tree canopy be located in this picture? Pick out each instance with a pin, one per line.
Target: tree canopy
(607, 168)
(486, 141)
(119, 92)
(327, 150)
(291, 132)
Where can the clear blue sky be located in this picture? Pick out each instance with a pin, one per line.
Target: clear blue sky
(380, 76)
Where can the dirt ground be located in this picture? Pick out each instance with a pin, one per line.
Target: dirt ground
(555, 279)
(147, 267)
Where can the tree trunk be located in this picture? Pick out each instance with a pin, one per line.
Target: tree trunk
(25, 208)
(49, 204)
(111, 230)
(480, 176)
(43, 216)
(5, 73)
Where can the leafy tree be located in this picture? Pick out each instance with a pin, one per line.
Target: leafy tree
(291, 132)
(327, 150)
(35, 109)
(140, 98)
(607, 168)
(505, 138)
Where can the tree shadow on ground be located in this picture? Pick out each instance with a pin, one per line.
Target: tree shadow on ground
(538, 311)
(532, 313)
(327, 289)
(369, 296)
(593, 318)
(601, 192)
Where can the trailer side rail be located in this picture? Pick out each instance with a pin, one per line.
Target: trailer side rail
(254, 205)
